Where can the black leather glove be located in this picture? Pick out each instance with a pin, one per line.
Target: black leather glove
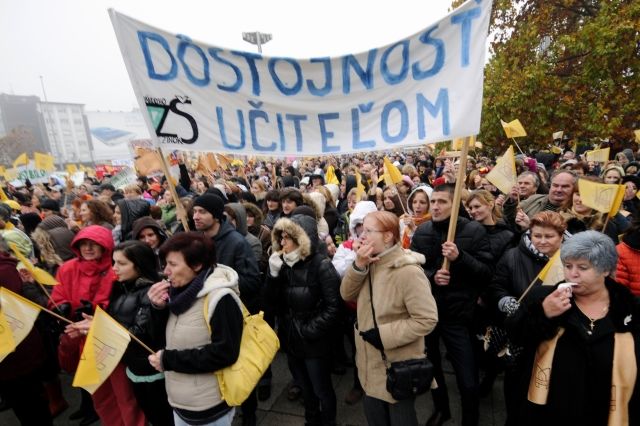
(64, 309)
(85, 307)
(373, 338)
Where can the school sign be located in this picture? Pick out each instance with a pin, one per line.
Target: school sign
(423, 89)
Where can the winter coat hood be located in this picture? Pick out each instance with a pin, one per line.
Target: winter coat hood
(130, 210)
(98, 234)
(147, 222)
(358, 214)
(420, 188)
(319, 201)
(241, 217)
(302, 229)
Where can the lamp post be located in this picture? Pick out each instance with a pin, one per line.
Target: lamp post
(257, 38)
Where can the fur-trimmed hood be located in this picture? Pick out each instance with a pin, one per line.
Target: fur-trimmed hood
(308, 201)
(302, 229)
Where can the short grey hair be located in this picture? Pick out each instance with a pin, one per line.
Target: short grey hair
(567, 171)
(593, 246)
(536, 179)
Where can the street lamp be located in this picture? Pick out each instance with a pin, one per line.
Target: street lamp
(256, 38)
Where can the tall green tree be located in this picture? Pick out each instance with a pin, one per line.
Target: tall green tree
(571, 65)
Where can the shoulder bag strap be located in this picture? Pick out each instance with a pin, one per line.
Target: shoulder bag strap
(373, 312)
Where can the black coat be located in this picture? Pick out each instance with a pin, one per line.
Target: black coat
(580, 386)
(469, 271)
(233, 250)
(513, 274)
(305, 297)
(131, 307)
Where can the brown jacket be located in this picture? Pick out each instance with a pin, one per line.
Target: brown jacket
(405, 311)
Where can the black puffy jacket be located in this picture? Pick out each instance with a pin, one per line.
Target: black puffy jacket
(514, 272)
(469, 271)
(131, 307)
(305, 296)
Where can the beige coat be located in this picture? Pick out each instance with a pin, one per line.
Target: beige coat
(405, 312)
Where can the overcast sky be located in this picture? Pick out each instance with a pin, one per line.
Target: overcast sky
(71, 43)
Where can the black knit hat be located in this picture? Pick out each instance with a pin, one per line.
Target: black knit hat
(49, 204)
(211, 203)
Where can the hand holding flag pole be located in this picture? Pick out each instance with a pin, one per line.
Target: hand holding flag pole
(455, 208)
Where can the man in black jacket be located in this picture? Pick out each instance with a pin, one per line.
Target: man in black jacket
(232, 249)
(456, 292)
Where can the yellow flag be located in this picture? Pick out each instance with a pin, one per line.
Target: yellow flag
(360, 190)
(3, 196)
(330, 176)
(637, 135)
(598, 155)
(21, 160)
(39, 274)
(557, 135)
(392, 172)
(513, 129)
(106, 343)
(3, 172)
(72, 168)
(17, 316)
(605, 198)
(456, 145)
(44, 161)
(553, 271)
(503, 175)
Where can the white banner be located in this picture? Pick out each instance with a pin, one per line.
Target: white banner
(426, 88)
(124, 178)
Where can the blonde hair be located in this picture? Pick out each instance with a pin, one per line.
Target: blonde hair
(47, 251)
(485, 198)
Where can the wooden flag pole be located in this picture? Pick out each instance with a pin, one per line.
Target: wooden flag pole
(518, 146)
(455, 208)
(527, 289)
(180, 211)
(606, 222)
(151, 351)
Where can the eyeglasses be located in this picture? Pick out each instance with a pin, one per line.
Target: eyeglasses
(369, 231)
(285, 237)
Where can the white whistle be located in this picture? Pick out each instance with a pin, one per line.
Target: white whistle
(566, 286)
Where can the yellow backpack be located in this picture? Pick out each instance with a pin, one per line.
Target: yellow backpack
(258, 347)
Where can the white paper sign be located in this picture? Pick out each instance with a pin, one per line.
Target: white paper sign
(425, 88)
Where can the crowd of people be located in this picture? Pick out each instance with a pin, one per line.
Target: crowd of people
(351, 270)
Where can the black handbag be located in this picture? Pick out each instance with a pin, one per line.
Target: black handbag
(405, 379)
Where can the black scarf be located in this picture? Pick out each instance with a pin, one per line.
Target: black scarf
(182, 298)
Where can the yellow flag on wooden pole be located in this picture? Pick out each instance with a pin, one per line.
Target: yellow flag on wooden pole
(71, 168)
(553, 271)
(391, 173)
(603, 197)
(598, 155)
(503, 175)
(513, 129)
(637, 135)
(17, 316)
(106, 343)
(39, 274)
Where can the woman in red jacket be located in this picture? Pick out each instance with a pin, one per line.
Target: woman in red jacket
(628, 269)
(84, 283)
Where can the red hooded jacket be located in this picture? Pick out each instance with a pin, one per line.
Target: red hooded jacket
(89, 280)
